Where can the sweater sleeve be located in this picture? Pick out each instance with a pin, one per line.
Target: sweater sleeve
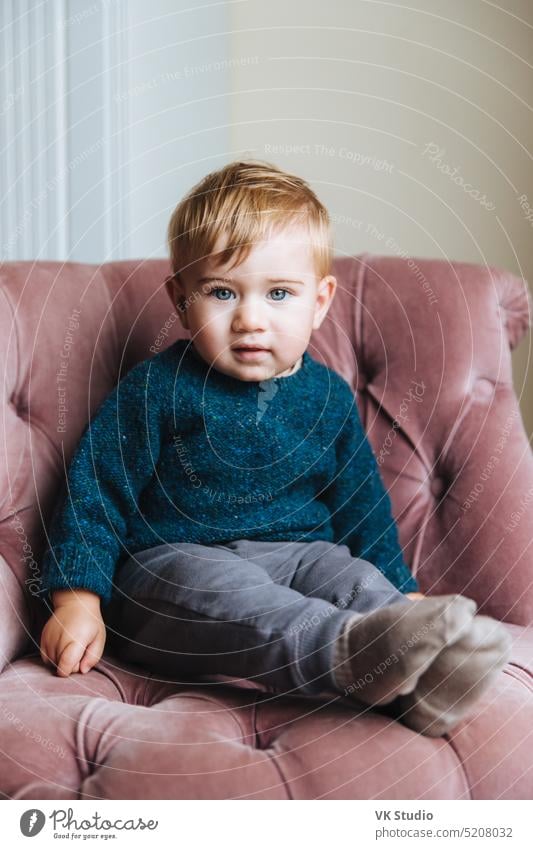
(113, 462)
(360, 506)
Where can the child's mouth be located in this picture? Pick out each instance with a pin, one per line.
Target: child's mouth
(251, 353)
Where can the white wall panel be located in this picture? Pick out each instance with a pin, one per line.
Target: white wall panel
(109, 111)
(32, 131)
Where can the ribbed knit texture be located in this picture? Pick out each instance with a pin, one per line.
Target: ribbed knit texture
(181, 452)
(342, 670)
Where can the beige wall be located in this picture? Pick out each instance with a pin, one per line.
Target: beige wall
(348, 93)
(365, 88)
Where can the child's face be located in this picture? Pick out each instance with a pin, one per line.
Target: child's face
(273, 300)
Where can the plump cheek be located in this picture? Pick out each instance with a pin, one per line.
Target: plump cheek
(210, 340)
(294, 327)
(210, 322)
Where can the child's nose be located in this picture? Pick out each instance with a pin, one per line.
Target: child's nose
(248, 316)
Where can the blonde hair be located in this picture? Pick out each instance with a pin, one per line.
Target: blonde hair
(245, 201)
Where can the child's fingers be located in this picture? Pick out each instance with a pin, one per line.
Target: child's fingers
(86, 662)
(68, 658)
(91, 656)
(46, 657)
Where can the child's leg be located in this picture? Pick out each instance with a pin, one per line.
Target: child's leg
(328, 571)
(390, 651)
(190, 610)
(203, 610)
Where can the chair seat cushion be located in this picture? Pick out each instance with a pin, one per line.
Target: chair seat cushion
(120, 733)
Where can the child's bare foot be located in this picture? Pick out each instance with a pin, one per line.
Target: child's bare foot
(447, 692)
(382, 654)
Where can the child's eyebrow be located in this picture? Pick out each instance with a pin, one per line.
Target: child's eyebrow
(220, 279)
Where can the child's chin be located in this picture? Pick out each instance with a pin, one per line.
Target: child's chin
(254, 374)
(251, 372)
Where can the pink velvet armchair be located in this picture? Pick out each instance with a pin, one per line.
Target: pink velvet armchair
(426, 345)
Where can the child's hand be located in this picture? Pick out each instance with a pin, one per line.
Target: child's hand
(74, 637)
(415, 595)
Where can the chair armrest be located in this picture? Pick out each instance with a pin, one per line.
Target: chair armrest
(15, 613)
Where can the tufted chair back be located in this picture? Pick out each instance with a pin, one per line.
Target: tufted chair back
(424, 343)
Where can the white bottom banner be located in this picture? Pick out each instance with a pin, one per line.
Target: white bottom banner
(202, 822)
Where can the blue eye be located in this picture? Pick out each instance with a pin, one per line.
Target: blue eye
(227, 294)
(283, 292)
(217, 290)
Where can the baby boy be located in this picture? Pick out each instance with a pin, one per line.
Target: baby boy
(226, 499)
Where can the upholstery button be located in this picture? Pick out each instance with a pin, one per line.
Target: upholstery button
(363, 377)
(483, 388)
(437, 486)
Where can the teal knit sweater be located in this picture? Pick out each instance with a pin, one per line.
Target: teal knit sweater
(181, 452)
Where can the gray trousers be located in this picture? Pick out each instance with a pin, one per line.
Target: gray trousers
(266, 611)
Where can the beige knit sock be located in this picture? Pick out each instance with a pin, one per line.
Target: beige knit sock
(450, 689)
(382, 654)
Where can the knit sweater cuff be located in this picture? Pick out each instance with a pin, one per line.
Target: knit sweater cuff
(410, 585)
(67, 567)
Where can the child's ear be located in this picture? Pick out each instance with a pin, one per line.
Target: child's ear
(176, 293)
(326, 292)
